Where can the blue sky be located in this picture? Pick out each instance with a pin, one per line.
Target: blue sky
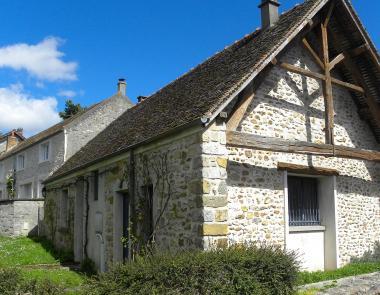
(52, 49)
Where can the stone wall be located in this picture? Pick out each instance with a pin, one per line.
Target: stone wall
(290, 106)
(19, 218)
(6, 218)
(214, 186)
(174, 167)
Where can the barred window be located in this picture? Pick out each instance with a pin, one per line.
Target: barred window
(303, 201)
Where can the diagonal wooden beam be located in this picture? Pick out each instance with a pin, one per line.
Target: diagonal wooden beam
(329, 14)
(339, 58)
(312, 52)
(347, 85)
(301, 71)
(318, 76)
(238, 115)
(327, 87)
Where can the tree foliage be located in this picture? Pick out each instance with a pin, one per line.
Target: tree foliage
(70, 109)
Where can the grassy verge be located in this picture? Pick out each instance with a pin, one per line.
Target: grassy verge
(346, 271)
(24, 251)
(21, 253)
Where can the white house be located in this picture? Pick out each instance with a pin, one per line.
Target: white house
(27, 164)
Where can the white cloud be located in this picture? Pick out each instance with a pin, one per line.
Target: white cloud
(42, 60)
(19, 109)
(67, 93)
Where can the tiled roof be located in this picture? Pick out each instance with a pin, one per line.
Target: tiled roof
(198, 93)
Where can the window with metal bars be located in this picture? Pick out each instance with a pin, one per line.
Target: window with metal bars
(303, 201)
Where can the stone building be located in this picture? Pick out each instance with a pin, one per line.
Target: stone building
(275, 139)
(29, 162)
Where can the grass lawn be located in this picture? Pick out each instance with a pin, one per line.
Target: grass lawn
(353, 269)
(23, 252)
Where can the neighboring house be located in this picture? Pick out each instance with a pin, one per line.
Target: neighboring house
(10, 140)
(24, 167)
(275, 139)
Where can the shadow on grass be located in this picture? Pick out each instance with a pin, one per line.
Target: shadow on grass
(65, 258)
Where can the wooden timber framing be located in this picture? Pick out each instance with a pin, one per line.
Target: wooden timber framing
(310, 170)
(238, 115)
(318, 76)
(245, 140)
(313, 53)
(327, 87)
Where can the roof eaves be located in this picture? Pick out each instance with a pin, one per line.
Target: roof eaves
(199, 122)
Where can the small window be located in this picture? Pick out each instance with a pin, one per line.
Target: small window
(64, 207)
(1, 194)
(148, 226)
(303, 201)
(44, 152)
(26, 191)
(96, 185)
(20, 162)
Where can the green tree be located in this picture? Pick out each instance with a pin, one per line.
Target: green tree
(70, 109)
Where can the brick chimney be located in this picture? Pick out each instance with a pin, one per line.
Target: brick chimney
(122, 87)
(12, 141)
(269, 13)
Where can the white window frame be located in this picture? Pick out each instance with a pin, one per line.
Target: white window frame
(17, 162)
(24, 182)
(40, 152)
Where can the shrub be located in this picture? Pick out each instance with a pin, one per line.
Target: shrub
(88, 267)
(11, 283)
(237, 270)
(369, 256)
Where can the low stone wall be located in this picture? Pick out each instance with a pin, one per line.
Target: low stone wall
(19, 217)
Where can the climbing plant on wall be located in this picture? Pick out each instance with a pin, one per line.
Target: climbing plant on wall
(11, 181)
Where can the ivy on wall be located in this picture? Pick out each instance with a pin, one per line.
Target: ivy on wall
(11, 183)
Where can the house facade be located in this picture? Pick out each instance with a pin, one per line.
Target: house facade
(25, 166)
(274, 140)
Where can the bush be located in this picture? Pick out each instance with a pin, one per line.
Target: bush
(369, 256)
(237, 270)
(11, 283)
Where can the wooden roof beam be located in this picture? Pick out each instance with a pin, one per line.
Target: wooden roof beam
(359, 50)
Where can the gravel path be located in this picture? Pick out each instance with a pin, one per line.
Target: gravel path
(359, 285)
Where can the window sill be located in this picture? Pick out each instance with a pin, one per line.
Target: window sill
(313, 228)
